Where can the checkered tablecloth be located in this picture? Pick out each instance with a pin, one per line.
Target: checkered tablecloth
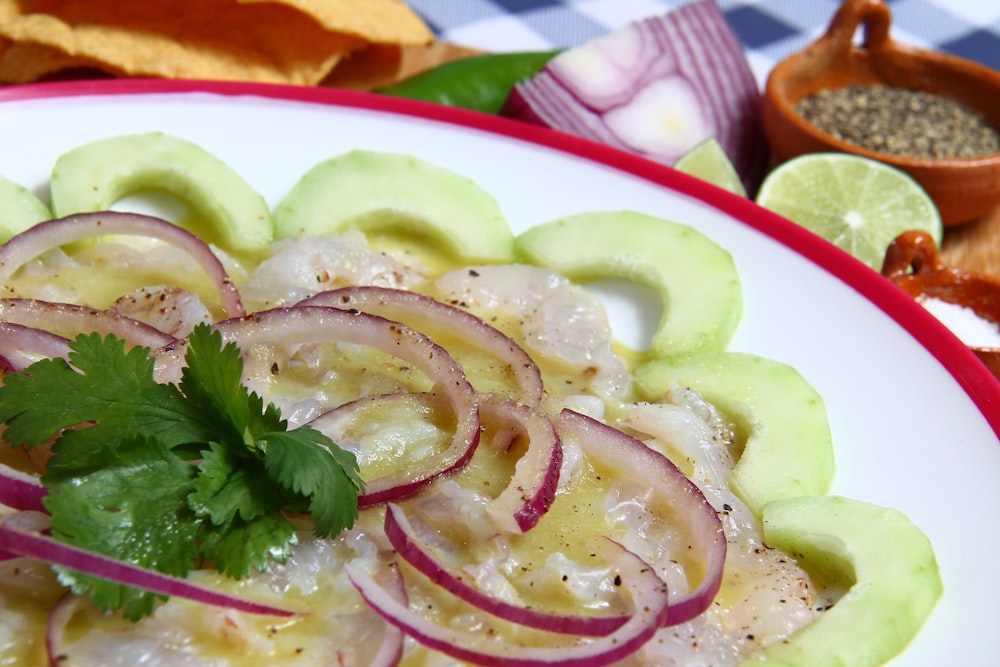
(769, 29)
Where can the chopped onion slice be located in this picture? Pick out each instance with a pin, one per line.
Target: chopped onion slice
(59, 617)
(63, 318)
(649, 601)
(50, 234)
(16, 536)
(636, 461)
(21, 346)
(657, 88)
(533, 486)
(418, 553)
(313, 324)
(434, 318)
(20, 490)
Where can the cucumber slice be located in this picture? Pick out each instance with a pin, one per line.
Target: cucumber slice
(227, 210)
(889, 562)
(19, 209)
(694, 276)
(789, 448)
(390, 192)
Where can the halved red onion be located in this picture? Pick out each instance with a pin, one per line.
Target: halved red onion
(655, 87)
(20, 490)
(417, 552)
(649, 602)
(19, 534)
(67, 317)
(314, 324)
(433, 318)
(21, 346)
(634, 460)
(54, 233)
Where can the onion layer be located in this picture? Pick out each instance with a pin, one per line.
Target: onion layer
(649, 601)
(636, 461)
(23, 540)
(54, 233)
(311, 324)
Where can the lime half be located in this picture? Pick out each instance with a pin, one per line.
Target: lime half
(858, 204)
(709, 162)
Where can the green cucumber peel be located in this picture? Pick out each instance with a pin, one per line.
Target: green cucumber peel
(226, 209)
(376, 192)
(789, 447)
(888, 562)
(695, 277)
(19, 209)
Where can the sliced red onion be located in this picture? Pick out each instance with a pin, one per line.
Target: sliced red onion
(418, 553)
(67, 317)
(313, 324)
(19, 534)
(390, 652)
(54, 233)
(20, 490)
(434, 318)
(649, 600)
(533, 486)
(634, 460)
(21, 346)
(656, 87)
(55, 630)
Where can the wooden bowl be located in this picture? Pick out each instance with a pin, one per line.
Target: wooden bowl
(912, 262)
(962, 188)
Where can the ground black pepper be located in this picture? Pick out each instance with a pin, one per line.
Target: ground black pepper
(899, 121)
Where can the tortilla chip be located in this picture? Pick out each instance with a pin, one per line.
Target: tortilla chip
(210, 39)
(380, 65)
(24, 63)
(377, 21)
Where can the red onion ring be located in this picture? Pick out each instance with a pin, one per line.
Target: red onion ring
(63, 318)
(434, 318)
(532, 488)
(17, 536)
(649, 599)
(636, 461)
(20, 345)
(416, 551)
(20, 490)
(55, 629)
(312, 324)
(54, 233)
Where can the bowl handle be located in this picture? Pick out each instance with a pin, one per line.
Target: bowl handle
(912, 254)
(873, 14)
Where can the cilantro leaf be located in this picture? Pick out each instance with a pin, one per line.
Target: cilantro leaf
(303, 462)
(95, 506)
(231, 485)
(241, 545)
(102, 383)
(164, 475)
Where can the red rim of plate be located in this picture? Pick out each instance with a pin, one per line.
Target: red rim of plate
(970, 373)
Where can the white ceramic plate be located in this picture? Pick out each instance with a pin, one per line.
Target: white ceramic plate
(914, 415)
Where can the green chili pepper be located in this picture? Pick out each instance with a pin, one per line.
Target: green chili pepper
(481, 83)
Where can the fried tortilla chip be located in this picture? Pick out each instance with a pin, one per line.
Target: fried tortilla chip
(261, 41)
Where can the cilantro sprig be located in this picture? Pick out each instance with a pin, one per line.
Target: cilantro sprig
(166, 476)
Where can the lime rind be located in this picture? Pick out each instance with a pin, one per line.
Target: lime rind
(709, 162)
(858, 204)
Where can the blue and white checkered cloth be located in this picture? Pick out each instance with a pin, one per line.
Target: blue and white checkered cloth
(769, 29)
